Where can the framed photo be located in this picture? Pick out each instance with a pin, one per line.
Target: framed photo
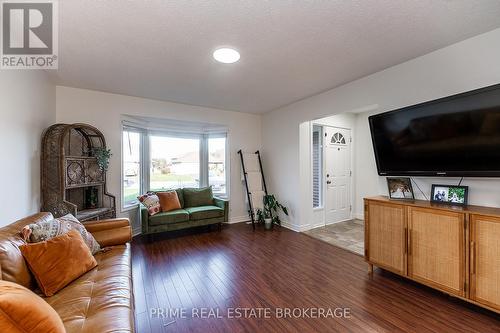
(400, 188)
(451, 194)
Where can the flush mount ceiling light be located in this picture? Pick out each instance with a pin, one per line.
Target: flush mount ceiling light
(226, 55)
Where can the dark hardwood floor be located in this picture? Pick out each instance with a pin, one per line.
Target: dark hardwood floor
(238, 268)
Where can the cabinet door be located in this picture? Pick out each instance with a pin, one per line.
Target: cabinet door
(436, 249)
(385, 236)
(485, 260)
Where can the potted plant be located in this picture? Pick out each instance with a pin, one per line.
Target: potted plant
(102, 155)
(270, 214)
(263, 217)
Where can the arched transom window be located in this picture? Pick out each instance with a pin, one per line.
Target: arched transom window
(338, 138)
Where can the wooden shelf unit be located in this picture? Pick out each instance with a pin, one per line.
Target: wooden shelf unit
(450, 248)
(68, 169)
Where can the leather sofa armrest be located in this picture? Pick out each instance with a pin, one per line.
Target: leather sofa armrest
(224, 204)
(110, 232)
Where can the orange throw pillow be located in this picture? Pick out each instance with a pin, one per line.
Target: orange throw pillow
(169, 201)
(21, 311)
(58, 261)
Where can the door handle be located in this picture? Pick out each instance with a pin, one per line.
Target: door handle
(328, 182)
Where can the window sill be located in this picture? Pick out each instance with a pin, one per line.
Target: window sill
(129, 208)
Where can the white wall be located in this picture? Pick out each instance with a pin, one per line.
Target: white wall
(27, 107)
(461, 67)
(105, 111)
(343, 120)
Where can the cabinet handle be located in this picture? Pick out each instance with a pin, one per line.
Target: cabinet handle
(473, 257)
(409, 242)
(406, 240)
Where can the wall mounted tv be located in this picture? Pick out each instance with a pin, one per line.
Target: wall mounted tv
(452, 136)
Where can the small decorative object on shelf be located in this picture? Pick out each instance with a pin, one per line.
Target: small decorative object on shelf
(450, 194)
(400, 188)
(73, 173)
(270, 214)
(91, 197)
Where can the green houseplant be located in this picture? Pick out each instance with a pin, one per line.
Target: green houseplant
(271, 211)
(102, 155)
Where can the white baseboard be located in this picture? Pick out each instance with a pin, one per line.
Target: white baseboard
(136, 231)
(238, 219)
(295, 227)
(359, 216)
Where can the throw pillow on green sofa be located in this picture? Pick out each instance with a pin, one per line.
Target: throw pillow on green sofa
(195, 197)
(180, 195)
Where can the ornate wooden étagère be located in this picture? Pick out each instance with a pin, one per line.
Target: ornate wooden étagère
(71, 179)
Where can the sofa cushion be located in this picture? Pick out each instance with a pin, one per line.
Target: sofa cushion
(174, 216)
(21, 310)
(100, 300)
(58, 261)
(205, 212)
(180, 195)
(12, 264)
(169, 201)
(196, 197)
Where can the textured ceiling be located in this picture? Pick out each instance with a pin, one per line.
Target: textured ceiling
(289, 49)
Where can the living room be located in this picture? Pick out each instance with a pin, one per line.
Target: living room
(148, 97)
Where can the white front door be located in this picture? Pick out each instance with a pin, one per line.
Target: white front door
(337, 174)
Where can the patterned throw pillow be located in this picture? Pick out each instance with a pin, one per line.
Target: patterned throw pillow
(43, 231)
(151, 201)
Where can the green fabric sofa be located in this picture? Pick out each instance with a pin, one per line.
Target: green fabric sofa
(198, 208)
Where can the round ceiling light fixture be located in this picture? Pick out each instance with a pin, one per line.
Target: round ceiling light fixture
(226, 55)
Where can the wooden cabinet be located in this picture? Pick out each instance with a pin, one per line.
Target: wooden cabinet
(72, 182)
(453, 249)
(485, 260)
(386, 236)
(436, 249)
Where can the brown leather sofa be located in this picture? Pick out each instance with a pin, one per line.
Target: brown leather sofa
(99, 301)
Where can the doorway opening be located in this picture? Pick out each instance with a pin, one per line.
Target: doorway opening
(332, 171)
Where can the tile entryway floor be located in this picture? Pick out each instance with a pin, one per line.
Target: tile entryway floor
(347, 235)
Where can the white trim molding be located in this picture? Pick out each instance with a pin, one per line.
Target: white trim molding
(136, 231)
(238, 219)
(295, 227)
(359, 216)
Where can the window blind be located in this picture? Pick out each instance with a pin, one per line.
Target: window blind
(316, 165)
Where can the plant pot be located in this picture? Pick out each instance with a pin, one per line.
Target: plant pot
(268, 224)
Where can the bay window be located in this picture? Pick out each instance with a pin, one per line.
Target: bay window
(217, 164)
(174, 162)
(165, 160)
(132, 166)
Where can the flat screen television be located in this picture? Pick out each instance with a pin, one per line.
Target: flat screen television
(454, 136)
